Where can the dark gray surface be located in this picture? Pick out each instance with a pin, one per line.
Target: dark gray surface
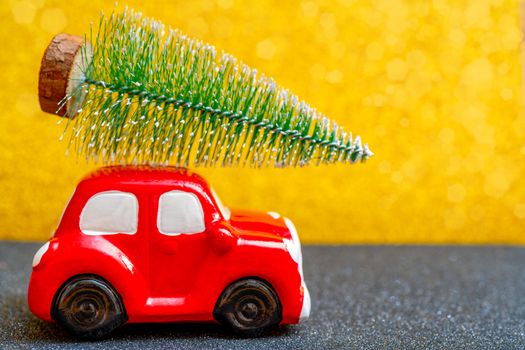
(363, 297)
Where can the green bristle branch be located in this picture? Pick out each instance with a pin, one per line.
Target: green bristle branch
(151, 95)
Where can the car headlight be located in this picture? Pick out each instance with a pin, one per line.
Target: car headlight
(294, 245)
(39, 253)
(295, 253)
(293, 232)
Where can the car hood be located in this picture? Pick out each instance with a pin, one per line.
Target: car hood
(257, 224)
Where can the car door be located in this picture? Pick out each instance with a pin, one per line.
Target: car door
(178, 242)
(116, 215)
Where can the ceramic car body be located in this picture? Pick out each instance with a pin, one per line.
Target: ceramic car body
(167, 276)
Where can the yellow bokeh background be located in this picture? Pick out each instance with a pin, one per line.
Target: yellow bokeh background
(435, 88)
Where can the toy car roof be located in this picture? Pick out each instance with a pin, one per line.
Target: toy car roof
(143, 175)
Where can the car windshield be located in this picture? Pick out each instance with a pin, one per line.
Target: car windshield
(226, 214)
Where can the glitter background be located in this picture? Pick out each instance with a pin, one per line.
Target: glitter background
(435, 87)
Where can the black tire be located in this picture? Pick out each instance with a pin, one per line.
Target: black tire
(250, 307)
(88, 307)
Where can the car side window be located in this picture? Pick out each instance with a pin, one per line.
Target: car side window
(180, 213)
(110, 212)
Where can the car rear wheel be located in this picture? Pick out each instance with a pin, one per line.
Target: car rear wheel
(250, 307)
(88, 307)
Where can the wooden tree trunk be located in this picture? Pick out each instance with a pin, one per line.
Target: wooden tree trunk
(60, 73)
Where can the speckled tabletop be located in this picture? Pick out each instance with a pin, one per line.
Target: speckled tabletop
(363, 297)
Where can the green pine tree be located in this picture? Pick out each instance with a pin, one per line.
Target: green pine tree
(147, 94)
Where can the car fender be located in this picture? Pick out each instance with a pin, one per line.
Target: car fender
(274, 266)
(95, 256)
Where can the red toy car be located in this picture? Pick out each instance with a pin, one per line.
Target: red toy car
(140, 244)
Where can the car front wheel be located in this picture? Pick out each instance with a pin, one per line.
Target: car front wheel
(250, 307)
(88, 307)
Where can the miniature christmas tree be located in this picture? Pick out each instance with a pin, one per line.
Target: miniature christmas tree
(140, 93)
